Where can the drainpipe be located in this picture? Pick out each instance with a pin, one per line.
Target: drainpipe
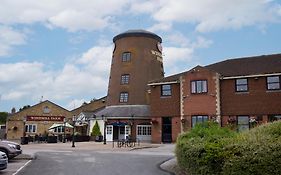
(181, 106)
(218, 99)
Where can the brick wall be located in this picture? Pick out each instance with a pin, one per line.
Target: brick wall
(15, 124)
(164, 106)
(257, 101)
(199, 104)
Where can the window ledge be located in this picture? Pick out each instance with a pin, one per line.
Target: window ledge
(247, 92)
(166, 96)
(278, 90)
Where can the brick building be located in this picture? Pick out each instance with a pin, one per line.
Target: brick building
(36, 119)
(237, 91)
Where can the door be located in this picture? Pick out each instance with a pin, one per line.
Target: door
(166, 129)
(109, 133)
(127, 131)
(121, 132)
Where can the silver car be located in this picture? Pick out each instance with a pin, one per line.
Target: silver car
(3, 160)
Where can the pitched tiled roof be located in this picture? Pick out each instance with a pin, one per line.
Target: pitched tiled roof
(256, 65)
(125, 111)
(265, 64)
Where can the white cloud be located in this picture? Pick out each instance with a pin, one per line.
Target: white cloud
(161, 27)
(72, 15)
(10, 37)
(213, 15)
(87, 78)
(177, 59)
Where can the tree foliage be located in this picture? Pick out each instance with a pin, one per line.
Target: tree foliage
(3, 117)
(96, 130)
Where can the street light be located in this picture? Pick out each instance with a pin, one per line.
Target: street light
(73, 120)
(104, 129)
(24, 127)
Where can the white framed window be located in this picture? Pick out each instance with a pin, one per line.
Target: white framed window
(125, 79)
(126, 56)
(199, 119)
(144, 130)
(59, 129)
(273, 83)
(166, 90)
(243, 123)
(199, 86)
(124, 97)
(31, 128)
(241, 85)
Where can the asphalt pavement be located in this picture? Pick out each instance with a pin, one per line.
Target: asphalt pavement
(89, 157)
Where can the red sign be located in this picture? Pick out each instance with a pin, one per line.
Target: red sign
(45, 118)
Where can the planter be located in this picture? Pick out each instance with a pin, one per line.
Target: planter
(99, 138)
(81, 138)
(24, 140)
(52, 139)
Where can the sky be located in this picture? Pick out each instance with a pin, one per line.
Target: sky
(60, 50)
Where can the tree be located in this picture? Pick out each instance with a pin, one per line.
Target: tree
(3, 117)
(96, 130)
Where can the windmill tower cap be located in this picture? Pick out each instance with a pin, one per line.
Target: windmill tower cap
(138, 33)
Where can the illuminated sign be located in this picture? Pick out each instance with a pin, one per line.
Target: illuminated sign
(45, 118)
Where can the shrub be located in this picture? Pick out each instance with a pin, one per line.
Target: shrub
(255, 152)
(208, 149)
(96, 130)
(201, 151)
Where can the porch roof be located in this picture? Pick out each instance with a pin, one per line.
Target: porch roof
(124, 111)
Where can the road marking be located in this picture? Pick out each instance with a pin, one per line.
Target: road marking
(22, 167)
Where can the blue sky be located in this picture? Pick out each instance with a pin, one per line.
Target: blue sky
(61, 49)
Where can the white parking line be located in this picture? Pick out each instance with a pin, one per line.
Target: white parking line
(22, 167)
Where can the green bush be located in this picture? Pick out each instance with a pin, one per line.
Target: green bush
(96, 130)
(201, 151)
(209, 149)
(257, 151)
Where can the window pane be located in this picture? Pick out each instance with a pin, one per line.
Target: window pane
(166, 90)
(199, 87)
(273, 79)
(193, 87)
(204, 84)
(243, 120)
(241, 81)
(273, 86)
(241, 85)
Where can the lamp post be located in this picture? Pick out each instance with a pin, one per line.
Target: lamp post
(73, 120)
(104, 129)
(64, 122)
(24, 127)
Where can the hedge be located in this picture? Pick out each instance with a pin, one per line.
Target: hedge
(210, 149)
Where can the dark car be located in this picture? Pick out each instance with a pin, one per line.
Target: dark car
(12, 149)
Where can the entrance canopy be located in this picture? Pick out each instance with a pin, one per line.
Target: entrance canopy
(55, 125)
(118, 123)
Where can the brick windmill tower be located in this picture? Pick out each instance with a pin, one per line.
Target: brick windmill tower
(136, 60)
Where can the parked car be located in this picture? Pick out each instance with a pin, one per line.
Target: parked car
(3, 160)
(12, 149)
